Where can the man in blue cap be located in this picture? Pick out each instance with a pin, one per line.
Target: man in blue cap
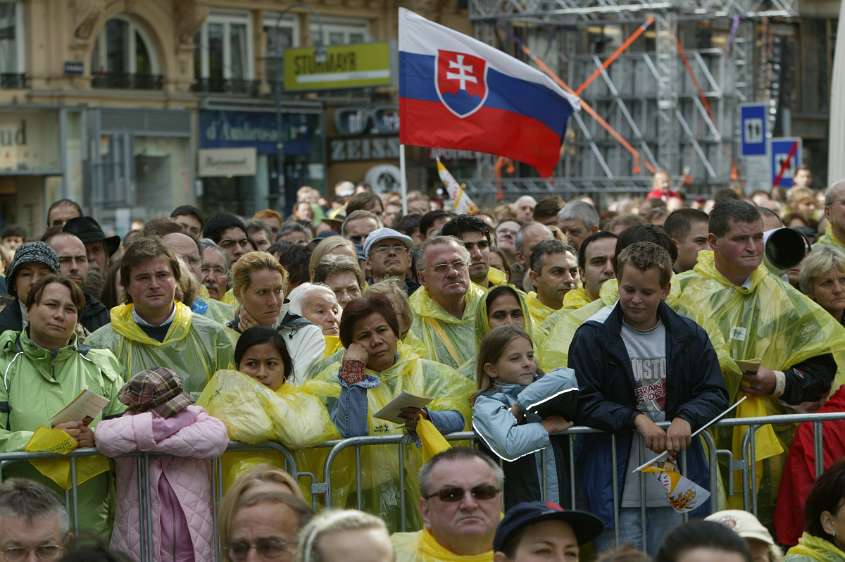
(529, 528)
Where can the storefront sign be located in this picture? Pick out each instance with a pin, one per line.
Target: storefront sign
(258, 129)
(376, 120)
(364, 148)
(345, 66)
(226, 162)
(74, 68)
(29, 140)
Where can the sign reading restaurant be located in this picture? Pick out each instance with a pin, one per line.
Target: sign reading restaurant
(345, 66)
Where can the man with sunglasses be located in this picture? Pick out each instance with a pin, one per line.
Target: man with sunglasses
(475, 235)
(460, 503)
(33, 522)
(445, 306)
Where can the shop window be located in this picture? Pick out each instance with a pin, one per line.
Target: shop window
(223, 60)
(280, 33)
(124, 58)
(339, 32)
(11, 45)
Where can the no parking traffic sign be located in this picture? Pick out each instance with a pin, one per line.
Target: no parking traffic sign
(784, 159)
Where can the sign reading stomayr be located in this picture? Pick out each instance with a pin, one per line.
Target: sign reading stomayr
(753, 128)
(784, 159)
(226, 162)
(346, 66)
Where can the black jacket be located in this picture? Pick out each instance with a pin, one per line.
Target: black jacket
(95, 314)
(695, 391)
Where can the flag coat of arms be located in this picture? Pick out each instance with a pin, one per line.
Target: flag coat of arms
(458, 92)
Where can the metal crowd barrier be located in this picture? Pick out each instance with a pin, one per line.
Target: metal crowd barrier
(323, 489)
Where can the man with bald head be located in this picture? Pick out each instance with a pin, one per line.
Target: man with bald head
(187, 249)
(73, 263)
(834, 212)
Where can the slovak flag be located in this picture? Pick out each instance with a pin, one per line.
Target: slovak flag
(457, 92)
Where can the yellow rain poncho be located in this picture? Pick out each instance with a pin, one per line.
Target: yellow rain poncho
(437, 335)
(768, 321)
(219, 311)
(538, 311)
(37, 384)
(555, 335)
(380, 465)
(423, 547)
(230, 298)
(294, 416)
(194, 347)
(576, 298)
(496, 277)
(830, 239)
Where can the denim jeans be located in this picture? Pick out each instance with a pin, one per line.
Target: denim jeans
(659, 522)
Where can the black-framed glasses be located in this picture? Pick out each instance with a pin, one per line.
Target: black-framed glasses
(268, 548)
(452, 494)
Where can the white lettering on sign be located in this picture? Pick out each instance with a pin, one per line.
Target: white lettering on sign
(462, 76)
(366, 148)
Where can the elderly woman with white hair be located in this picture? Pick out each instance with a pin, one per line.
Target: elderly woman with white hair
(316, 303)
(822, 279)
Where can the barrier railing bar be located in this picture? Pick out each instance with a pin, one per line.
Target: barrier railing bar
(142, 521)
(615, 481)
(74, 497)
(640, 460)
(571, 447)
(402, 514)
(818, 447)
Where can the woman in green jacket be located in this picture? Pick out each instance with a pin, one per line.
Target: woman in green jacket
(44, 368)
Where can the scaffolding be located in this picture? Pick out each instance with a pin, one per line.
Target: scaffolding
(673, 96)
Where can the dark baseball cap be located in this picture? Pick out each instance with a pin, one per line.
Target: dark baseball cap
(586, 526)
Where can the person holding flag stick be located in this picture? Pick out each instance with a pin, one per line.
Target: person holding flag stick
(639, 363)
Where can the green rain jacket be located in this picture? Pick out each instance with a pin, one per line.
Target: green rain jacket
(194, 347)
(36, 385)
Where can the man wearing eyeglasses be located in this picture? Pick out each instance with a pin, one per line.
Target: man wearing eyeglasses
(33, 522)
(358, 225)
(460, 504)
(445, 306)
(475, 235)
(388, 255)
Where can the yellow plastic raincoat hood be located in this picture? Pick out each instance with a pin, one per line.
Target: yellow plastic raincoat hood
(195, 347)
(556, 333)
(538, 311)
(437, 335)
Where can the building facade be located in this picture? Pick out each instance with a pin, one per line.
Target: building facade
(133, 107)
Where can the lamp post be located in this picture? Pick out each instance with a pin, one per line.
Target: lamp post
(319, 57)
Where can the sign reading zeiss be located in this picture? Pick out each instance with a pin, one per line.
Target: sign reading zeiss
(753, 128)
(243, 129)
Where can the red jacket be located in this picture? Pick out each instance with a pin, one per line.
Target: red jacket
(799, 472)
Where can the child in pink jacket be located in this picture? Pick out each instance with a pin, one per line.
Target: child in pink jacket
(162, 419)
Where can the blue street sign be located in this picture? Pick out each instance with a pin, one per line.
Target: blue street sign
(781, 150)
(753, 129)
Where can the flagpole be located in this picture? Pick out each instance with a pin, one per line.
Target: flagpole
(700, 429)
(404, 182)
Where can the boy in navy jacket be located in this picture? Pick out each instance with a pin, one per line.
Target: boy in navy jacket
(639, 363)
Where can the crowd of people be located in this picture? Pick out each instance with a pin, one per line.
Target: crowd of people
(645, 320)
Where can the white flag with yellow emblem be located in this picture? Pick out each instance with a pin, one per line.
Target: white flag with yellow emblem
(461, 202)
